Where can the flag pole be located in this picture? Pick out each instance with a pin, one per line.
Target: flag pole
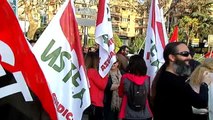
(210, 53)
(141, 46)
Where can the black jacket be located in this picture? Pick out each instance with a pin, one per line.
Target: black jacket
(174, 98)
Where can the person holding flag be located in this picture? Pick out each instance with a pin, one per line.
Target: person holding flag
(24, 92)
(59, 53)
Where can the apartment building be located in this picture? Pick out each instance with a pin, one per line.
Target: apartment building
(128, 20)
(129, 17)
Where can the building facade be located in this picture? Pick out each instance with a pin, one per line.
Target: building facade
(129, 18)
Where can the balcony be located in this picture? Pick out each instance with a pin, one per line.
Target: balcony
(138, 18)
(115, 23)
(139, 27)
(122, 33)
(124, 24)
(115, 14)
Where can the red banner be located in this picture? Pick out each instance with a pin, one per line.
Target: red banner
(174, 36)
(20, 74)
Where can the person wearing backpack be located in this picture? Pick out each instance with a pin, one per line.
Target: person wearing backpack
(134, 90)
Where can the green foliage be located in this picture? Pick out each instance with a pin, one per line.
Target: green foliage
(188, 28)
(197, 23)
(137, 44)
(118, 42)
(199, 57)
(91, 42)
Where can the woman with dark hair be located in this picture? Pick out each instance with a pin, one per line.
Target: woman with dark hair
(136, 73)
(97, 86)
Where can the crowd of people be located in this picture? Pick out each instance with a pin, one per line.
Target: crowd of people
(179, 90)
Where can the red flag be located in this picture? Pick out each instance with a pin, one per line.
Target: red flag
(23, 88)
(209, 55)
(174, 37)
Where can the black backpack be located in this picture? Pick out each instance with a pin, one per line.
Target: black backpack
(136, 96)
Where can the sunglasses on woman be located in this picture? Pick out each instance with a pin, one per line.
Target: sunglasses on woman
(184, 53)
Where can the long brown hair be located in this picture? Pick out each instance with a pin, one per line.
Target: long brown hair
(197, 74)
(92, 60)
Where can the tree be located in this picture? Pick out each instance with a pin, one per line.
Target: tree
(187, 28)
(201, 11)
(117, 41)
(194, 20)
(36, 12)
(91, 41)
(137, 44)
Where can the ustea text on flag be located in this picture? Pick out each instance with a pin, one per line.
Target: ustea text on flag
(59, 53)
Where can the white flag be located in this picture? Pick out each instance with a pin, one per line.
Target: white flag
(104, 37)
(156, 40)
(59, 53)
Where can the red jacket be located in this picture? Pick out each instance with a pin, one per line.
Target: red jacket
(97, 87)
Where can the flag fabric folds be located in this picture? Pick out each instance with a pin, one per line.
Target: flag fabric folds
(59, 53)
(104, 37)
(209, 54)
(24, 92)
(155, 41)
(174, 37)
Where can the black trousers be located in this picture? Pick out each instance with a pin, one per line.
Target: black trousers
(200, 117)
(95, 113)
